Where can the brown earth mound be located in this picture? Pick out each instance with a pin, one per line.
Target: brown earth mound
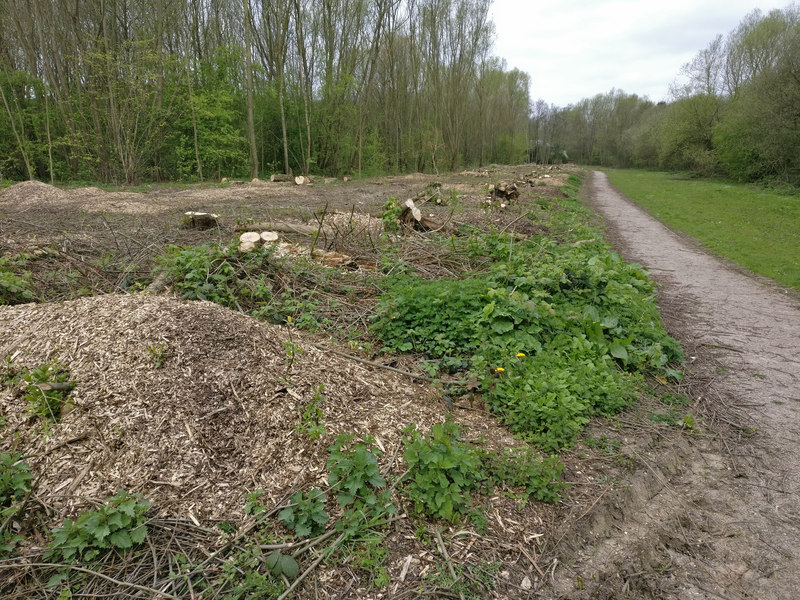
(187, 402)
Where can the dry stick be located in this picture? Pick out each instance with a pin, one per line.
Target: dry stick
(533, 562)
(310, 568)
(503, 230)
(446, 556)
(387, 367)
(135, 586)
(315, 238)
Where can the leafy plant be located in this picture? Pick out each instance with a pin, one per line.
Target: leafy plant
(282, 564)
(555, 330)
(442, 471)
(311, 424)
(14, 288)
(119, 524)
(43, 402)
(15, 484)
(355, 476)
(539, 477)
(306, 514)
(160, 354)
(391, 214)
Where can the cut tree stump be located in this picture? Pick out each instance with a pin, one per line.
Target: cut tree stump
(413, 218)
(200, 220)
(284, 227)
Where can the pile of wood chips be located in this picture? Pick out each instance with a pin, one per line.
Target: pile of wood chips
(189, 403)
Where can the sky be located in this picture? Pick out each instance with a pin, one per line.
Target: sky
(575, 49)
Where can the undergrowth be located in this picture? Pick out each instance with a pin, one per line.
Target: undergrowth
(556, 330)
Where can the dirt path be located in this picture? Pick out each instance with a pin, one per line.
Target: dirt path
(720, 516)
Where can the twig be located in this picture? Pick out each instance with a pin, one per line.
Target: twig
(523, 215)
(446, 556)
(311, 567)
(141, 588)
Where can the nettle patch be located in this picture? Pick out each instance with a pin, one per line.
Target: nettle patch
(556, 331)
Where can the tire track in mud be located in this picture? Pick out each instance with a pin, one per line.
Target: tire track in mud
(717, 516)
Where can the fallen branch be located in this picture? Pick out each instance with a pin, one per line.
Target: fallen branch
(135, 586)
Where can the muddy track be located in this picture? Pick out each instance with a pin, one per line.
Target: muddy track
(716, 515)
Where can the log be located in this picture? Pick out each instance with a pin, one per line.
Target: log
(280, 177)
(200, 220)
(284, 227)
(302, 180)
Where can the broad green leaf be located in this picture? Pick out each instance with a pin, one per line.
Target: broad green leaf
(121, 539)
(289, 566)
(139, 534)
(617, 350)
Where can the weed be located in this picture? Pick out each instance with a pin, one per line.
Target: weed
(118, 524)
(44, 402)
(555, 332)
(306, 514)
(159, 354)
(675, 400)
(391, 214)
(442, 471)
(603, 443)
(14, 288)
(311, 424)
(539, 477)
(15, 484)
(355, 477)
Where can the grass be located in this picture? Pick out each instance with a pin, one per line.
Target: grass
(755, 227)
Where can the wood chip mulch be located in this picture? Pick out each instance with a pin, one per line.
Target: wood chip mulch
(216, 420)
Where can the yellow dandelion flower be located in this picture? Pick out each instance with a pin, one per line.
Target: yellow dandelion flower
(520, 355)
(499, 369)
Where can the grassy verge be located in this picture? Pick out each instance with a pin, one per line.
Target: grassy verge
(757, 228)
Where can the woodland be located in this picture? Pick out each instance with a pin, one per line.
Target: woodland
(123, 91)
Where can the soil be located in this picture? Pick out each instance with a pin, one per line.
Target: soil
(718, 517)
(654, 511)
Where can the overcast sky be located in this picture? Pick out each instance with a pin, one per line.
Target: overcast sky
(575, 49)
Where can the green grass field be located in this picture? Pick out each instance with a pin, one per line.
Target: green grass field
(757, 228)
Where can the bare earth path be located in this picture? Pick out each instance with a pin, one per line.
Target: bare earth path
(720, 516)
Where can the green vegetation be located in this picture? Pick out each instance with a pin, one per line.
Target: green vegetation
(306, 515)
(555, 330)
(15, 285)
(170, 91)
(249, 282)
(752, 226)
(15, 485)
(443, 470)
(46, 389)
(118, 524)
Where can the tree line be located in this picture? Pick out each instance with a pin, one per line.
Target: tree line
(735, 111)
(132, 90)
